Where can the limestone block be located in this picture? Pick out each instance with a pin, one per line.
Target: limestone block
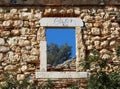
(18, 23)
(106, 24)
(113, 43)
(104, 43)
(13, 40)
(115, 24)
(89, 47)
(104, 51)
(32, 59)
(10, 68)
(24, 31)
(97, 24)
(10, 55)
(69, 11)
(97, 43)
(35, 51)
(96, 31)
(20, 77)
(26, 16)
(106, 56)
(98, 18)
(88, 25)
(2, 41)
(8, 16)
(95, 38)
(77, 11)
(1, 56)
(105, 31)
(38, 15)
(4, 49)
(47, 11)
(24, 68)
(24, 43)
(13, 11)
(28, 48)
(26, 24)
(15, 32)
(5, 33)
(62, 11)
(54, 11)
(1, 16)
(8, 23)
(87, 18)
(1, 10)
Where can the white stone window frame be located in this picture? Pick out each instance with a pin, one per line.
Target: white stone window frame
(77, 23)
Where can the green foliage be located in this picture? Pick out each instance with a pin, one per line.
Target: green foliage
(99, 78)
(118, 51)
(74, 87)
(12, 83)
(57, 55)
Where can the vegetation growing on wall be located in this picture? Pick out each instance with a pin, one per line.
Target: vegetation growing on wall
(101, 78)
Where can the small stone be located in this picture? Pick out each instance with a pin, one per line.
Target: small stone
(47, 11)
(5, 33)
(10, 68)
(20, 77)
(106, 56)
(2, 41)
(18, 23)
(4, 49)
(104, 51)
(106, 24)
(112, 43)
(77, 12)
(32, 59)
(35, 51)
(1, 56)
(7, 23)
(95, 31)
(24, 43)
(24, 68)
(104, 43)
(15, 32)
(28, 48)
(13, 11)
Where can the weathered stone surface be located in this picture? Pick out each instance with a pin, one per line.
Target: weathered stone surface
(18, 23)
(96, 31)
(5, 33)
(104, 43)
(1, 56)
(61, 22)
(4, 49)
(8, 23)
(32, 59)
(20, 77)
(106, 56)
(12, 40)
(2, 41)
(15, 32)
(24, 68)
(10, 68)
(24, 43)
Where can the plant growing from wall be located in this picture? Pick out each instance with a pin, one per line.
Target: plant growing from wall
(100, 78)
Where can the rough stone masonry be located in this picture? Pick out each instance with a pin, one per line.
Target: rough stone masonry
(20, 34)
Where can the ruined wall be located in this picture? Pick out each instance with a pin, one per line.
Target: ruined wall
(20, 35)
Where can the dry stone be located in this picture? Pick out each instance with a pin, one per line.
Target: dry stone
(15, 32)
(10, 68)
(2, 41)
(24, 68)
(4, 49)
(5, 33)
(8, 23)
(20, 77)
(95, 31)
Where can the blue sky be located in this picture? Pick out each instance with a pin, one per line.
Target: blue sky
(61, 36)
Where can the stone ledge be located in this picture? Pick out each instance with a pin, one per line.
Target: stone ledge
(75, 75)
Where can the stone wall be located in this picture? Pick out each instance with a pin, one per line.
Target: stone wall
(20, 35)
